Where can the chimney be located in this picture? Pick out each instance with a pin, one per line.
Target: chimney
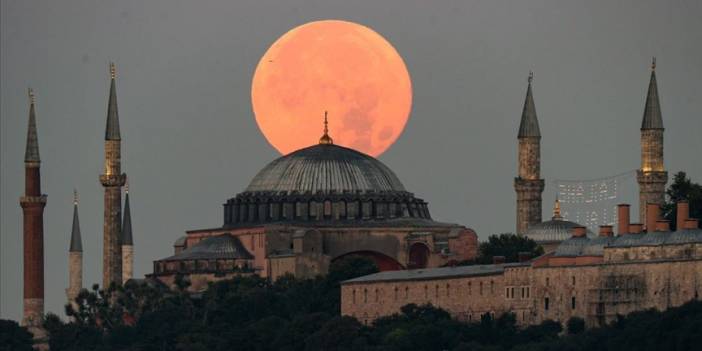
(663, 225)
(652, 215)
(606, 230)
(524, 256)
(683, 212)
(579, 232)
(498, 259)
(623, 219)
(635, 228)
(692, 223)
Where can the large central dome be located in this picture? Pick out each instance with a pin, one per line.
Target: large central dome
(326, 184)
(325, 168)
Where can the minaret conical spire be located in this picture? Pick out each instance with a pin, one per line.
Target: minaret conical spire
(529, 125)
(76, 241)
(31, 154)
(652, 118)
(112, 127)
(127, 223)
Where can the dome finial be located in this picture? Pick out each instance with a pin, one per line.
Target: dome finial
(326, 139)
(557, 210)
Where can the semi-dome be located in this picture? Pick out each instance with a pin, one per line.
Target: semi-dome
(325, 183)
(325, 168)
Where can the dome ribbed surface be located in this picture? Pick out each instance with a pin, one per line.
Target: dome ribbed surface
(325, 168)
(553, 230)
(224, 246)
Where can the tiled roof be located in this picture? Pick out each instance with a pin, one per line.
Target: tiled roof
(225, 246)
(433, 273)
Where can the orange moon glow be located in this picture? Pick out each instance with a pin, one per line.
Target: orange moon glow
(337, 66)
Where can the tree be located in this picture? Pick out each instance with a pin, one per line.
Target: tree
(575, 325)
(13, 337)
(507, 245)
(682, 188)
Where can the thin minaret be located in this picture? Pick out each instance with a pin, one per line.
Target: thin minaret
(127, 241)
(652, 176)
(75, 256)
(528, 184)
(112, 180)
(33, 203)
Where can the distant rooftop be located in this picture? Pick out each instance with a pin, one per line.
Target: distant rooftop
(434, 273)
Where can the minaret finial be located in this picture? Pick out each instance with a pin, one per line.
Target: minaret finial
(653, 64)
(531, 76)
(113, 70)
(557, 209)
(326, 139)
(75, 196)
(30, 91)
(126, 185)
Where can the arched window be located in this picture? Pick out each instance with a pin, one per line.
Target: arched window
(426, 292)
(481, 288)
(407, 293)
(395, 293)
(448, 290)
(376, 295)
(437, 290)
(365, 295)
(353, 296)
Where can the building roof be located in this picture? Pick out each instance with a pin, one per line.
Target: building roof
(112, 127)
(552, 230)
(652, 118)
(325, 168)
(575, 246)
(434, 273)
(529, 125)
(225, 246)
(31, 153)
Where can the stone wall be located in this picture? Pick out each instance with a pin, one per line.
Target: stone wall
(634, 279)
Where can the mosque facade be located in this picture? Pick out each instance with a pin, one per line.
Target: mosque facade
(313, 206)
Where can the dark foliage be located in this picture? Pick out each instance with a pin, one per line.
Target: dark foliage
(13, 337)
(250, 313)
(507, 245)
(682, 188)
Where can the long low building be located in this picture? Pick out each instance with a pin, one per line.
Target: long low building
(592, 278)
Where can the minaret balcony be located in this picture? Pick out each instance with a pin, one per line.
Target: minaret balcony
(30, 201)
(113, 179)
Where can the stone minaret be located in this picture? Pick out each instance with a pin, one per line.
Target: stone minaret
(33, 203)
(528, 183)
(112, 180)
(127, 241)
(652, 175)
(75, 256)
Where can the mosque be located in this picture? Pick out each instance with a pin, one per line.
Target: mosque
(313, 206)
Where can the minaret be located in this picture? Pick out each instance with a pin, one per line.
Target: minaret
(112, 180)
(528, 183)
(652, 175)
(75, 256)
(33, 203)
(127, 242)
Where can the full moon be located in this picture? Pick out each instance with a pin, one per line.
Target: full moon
(341, 67)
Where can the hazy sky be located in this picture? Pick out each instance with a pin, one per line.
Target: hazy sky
(190, 140)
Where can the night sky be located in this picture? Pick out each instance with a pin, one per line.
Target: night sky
(190, 140)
